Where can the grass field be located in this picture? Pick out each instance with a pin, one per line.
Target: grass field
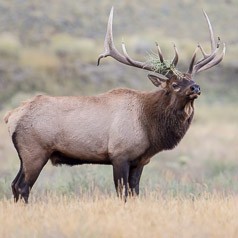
(210, 215)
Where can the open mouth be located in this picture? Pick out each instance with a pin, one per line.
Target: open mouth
(193, 95)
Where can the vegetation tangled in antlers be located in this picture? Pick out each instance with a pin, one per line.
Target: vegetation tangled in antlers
(164, 67)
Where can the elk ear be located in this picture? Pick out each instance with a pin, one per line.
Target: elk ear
(158, 80)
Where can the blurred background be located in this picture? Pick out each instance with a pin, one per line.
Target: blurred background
(52, 47)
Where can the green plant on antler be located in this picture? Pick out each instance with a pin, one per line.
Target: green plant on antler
(164, 67)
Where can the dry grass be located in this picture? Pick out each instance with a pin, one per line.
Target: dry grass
(105, 216)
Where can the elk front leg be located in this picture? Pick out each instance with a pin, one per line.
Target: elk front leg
(120, 175)
(134, 179)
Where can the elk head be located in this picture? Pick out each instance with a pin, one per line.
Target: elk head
(166, 74)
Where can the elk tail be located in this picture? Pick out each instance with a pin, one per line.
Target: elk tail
(6, 117)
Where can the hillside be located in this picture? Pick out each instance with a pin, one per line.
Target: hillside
(53, 48)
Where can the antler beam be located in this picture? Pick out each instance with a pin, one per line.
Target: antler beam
(208, 60)
(110, 50)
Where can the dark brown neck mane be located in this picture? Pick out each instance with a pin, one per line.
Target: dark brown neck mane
(166, 119)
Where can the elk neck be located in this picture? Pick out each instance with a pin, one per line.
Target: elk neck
(167, 118)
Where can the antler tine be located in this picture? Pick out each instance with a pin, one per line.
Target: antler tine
(176, 57)
(110, 50)
(159, 52)
(107, 37)
(131, 61)
(190, 69)
(208, 60)
(215, 61)
(205, 55)
(213, 43)
(205, 61)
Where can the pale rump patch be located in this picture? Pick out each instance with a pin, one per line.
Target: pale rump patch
(12, 117)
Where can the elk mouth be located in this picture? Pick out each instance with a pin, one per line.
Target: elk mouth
(193, 92)
(193, 95)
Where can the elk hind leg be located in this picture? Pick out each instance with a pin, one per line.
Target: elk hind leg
(19, 174)
(32, 164)
(21, 188)
(13, 185)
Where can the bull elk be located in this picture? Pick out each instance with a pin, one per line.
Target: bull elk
(122, 127)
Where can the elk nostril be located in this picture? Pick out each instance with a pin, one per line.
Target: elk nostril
(195, 88)
(192, 88)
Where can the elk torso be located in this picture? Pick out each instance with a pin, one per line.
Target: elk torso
(98, 129)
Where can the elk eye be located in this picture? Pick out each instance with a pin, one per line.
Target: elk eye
(174, 85)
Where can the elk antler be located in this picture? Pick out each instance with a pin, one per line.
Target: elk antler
(208, 60)
(110, 50)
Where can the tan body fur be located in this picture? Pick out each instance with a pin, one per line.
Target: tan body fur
(92, 128)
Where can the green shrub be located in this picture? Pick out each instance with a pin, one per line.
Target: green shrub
(9, 45)
(83, 48)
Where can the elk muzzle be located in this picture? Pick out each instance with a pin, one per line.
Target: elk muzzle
(195, 88)
(194, 91)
